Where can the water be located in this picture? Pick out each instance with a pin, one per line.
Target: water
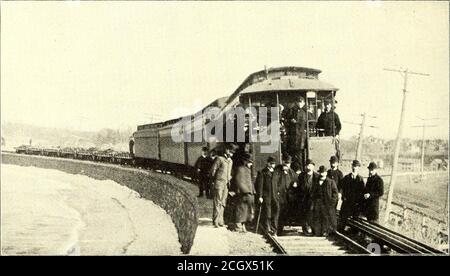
(48, 212)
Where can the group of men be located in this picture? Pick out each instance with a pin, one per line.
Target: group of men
(296, 119)
(284, 194)
(312, 197)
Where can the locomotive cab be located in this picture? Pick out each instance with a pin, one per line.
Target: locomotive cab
(280, 88)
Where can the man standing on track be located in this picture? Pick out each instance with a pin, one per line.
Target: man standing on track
(245, 192)
(324, 197)
(264, 192)
(372, 193)
(306, 180)
(352, 195)
(221, 177)
(283, 178)
(335, 174)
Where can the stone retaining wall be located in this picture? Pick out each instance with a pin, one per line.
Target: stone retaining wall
(165, 191)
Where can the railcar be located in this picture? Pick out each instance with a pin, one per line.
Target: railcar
(274, 87)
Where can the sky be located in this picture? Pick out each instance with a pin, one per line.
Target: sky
(99, 64)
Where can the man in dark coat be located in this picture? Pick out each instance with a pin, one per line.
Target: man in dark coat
(324, 197)
(372, 193)
(352, 194)
(283, 178)
(306, 180)
(328, 123)
(245, 192)
(130, 145)
(296, 130)
(202, 166)
(334, 173)
(264, 193)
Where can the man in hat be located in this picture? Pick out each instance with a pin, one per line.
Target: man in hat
(203, 166)
(352, 194)
(296, 130)
(264, 192)
(221, 177)
(306, 180)
(335, 174)
(328, 123)
(282, 180)
(245, 192)
(130, 145)
(324, 197)
(373, 191)
(293, 196)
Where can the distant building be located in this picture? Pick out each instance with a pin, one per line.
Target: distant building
(409, 164)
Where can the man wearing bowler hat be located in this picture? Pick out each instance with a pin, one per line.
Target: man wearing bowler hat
(334, 173)
(245, 192)
(221, 176)
(324, 196)
(352, 195)
(296, 130)
(264, 192)
(373, 191)
(306, 180)
(282, 180)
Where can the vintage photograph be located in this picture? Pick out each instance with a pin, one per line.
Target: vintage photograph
(216, 128)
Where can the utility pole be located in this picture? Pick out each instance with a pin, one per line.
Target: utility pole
(360, 138)
(424, 126)
(362, 125)
(405, 73)
(422, 159)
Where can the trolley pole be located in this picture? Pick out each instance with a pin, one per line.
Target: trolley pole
(398, 140)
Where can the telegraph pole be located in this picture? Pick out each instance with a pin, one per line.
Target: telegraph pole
(424, 126)
(405, 73)
(360, 138)
(362, 125)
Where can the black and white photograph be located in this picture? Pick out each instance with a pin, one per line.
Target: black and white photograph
(253, 129)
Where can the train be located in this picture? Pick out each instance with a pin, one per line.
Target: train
(154, 146)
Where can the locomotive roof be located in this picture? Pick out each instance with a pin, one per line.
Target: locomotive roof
(290, 83)
(294, 72)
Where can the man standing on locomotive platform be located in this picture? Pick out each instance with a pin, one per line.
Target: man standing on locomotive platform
(245, 192)
(202, 166)
(306, 181)
(324, 196)
(282, 180)
(328, 122)
(264, 193)
(352, 186)
(296, 130)
(221, 177)
(373, 191)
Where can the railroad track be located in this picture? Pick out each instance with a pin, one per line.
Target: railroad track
(378, 240)
(389, 240)
(294, 243)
